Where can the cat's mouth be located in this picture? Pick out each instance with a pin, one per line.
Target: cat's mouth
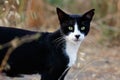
(73, 40)
(76, 40)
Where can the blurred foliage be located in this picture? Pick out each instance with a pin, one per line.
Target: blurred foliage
(110, 35)
(107, 16)
(103, 7)
(55, 2)
(11, 12)
(60, 3)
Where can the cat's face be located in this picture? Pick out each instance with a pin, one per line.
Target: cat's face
(74, 27)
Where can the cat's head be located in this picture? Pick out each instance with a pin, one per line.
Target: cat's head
(74, 27)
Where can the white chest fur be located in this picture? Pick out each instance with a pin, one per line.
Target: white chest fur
(71, 50)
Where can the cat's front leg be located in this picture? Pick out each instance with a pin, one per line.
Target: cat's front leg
(55, 74)
(48, 77)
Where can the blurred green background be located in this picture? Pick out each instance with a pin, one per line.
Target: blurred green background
(102, 45)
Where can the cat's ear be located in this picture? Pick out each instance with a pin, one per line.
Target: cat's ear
(61, 15)
(89, 15)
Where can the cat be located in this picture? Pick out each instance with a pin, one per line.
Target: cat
(53, 53)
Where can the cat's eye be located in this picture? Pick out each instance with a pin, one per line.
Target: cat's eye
(70, 28)
(83, 28)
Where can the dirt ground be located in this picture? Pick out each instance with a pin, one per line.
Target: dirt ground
(99, 64)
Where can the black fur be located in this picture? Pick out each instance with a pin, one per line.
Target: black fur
(44, 55)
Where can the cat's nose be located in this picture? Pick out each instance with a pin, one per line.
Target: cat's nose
(77, 36)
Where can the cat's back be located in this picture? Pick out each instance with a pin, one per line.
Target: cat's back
(7, 33)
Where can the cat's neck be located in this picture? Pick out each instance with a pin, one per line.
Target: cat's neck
(71, 51)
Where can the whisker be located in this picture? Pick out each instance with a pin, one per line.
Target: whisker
(60, 42)
(58, 39)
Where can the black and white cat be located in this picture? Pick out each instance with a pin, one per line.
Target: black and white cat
(52, 53)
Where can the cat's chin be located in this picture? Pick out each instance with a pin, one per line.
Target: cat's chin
(75, 42)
